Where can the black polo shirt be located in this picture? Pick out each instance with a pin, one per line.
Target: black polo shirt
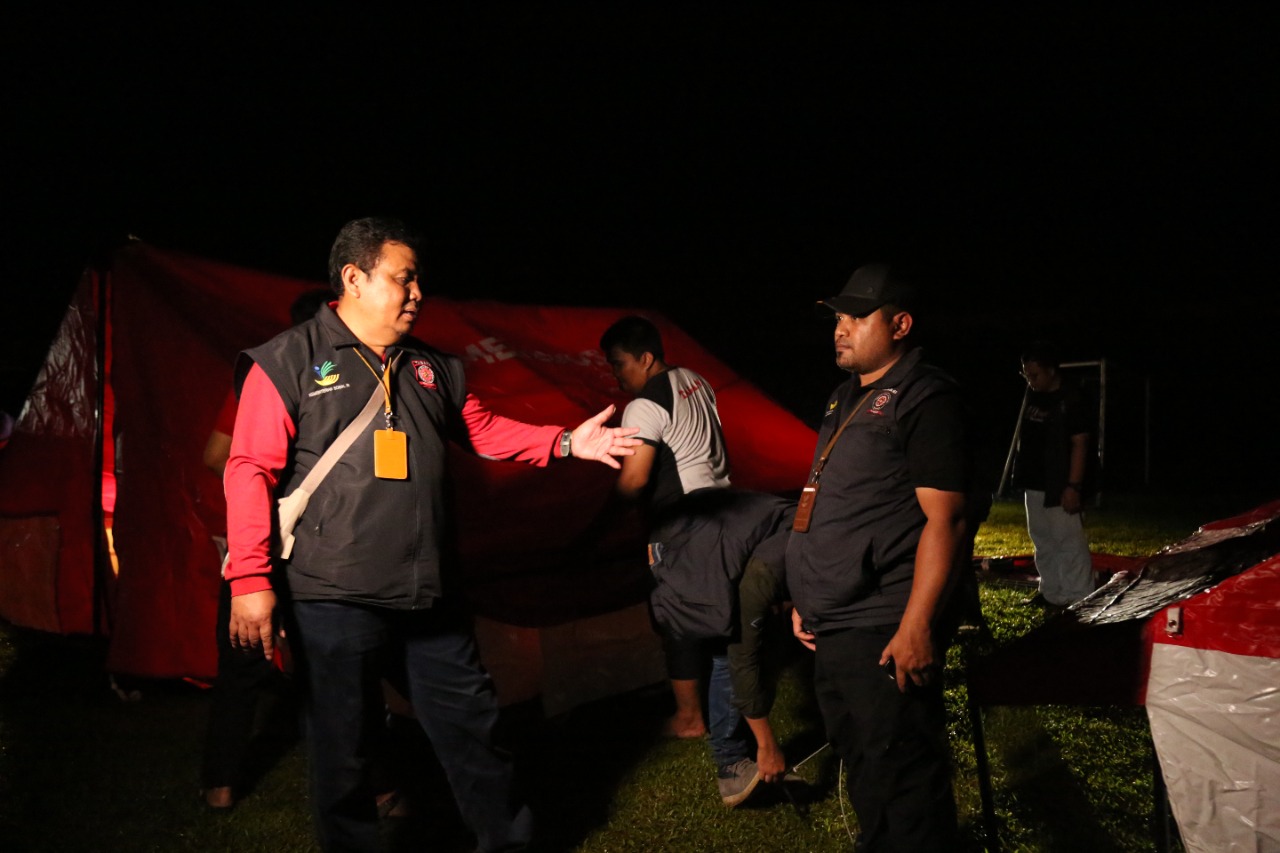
(854, 566)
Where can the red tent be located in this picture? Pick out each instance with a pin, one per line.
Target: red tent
(175, 325)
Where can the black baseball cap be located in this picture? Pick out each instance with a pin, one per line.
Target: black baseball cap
(871, 286)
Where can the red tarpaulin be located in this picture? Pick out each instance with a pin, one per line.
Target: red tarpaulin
(177, 323)
(1213, 699)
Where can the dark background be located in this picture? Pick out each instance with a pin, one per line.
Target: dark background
(1104, 178)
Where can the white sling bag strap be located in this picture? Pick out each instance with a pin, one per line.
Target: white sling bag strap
(293, 504)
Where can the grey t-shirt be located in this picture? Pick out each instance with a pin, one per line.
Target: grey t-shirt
(676, 413)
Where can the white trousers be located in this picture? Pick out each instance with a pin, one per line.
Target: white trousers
(1061, 551)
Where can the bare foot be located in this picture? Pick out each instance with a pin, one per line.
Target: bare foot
(221, 797)
(684, 728)
(391, 804)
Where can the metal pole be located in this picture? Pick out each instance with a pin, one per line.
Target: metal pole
(1101, 364)
(980, 757)
(1102, 430)
(1013, 446)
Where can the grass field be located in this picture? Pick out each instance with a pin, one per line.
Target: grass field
(82, 769)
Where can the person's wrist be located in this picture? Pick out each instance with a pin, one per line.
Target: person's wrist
(566, 444)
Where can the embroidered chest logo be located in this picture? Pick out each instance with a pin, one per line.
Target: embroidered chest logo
(327, 374)
(882, 399)
(831, 409)
(1037, 414)
(424, 374)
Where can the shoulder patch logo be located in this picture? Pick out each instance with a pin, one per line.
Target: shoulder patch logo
(831, 409)
(326, 373)
(882, 399)
(424, 374)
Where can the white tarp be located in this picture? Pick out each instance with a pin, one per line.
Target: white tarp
(1213, 699)
(1215, 720)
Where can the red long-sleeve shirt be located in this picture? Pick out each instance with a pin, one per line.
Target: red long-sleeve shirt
(260, 444)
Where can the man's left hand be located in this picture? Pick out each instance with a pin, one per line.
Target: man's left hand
(594, 441)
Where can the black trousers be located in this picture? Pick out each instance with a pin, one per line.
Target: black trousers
(344, 650)
(894, 745)
(244, 680)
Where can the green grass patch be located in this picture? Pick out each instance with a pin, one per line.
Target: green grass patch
(82, 770)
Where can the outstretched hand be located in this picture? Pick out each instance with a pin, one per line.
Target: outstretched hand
(594, 441)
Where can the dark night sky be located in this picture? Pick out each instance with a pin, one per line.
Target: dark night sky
(1105, 177)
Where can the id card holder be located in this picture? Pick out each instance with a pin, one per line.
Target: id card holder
(390, 455)
(804, 509)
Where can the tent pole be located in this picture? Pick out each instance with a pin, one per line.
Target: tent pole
(1101, 364)
(1013, 446)
(1102, 430)
(990, 841)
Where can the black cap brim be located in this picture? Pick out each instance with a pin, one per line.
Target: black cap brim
(851, 305)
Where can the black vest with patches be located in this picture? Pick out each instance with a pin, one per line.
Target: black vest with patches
(362, 539)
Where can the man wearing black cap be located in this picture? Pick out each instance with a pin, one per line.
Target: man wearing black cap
(872, 559)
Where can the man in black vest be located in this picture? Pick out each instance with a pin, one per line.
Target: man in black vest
(366, 576)
(872, 559)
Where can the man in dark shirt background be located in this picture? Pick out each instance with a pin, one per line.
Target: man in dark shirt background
(1051, 467)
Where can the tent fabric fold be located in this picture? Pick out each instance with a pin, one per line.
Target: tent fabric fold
(48, 537)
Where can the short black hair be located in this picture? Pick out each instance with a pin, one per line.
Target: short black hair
(360, 242)
(306, 305)
(634, 335)
(1043, 353)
